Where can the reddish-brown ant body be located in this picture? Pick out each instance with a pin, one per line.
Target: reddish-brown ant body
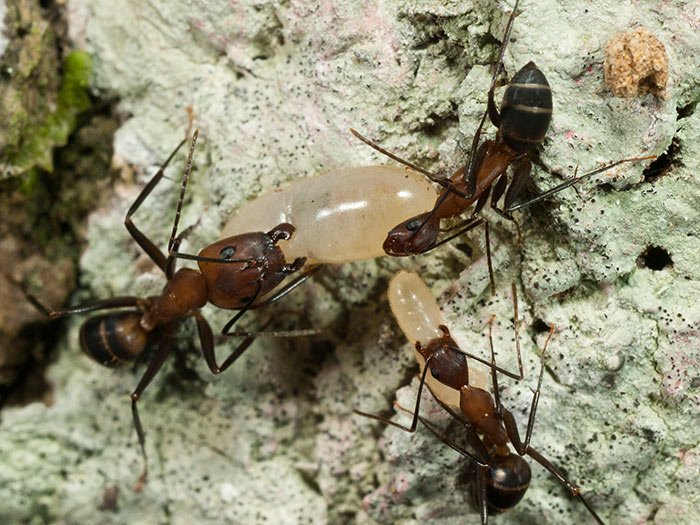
(522, 123)
(502, 477)
(233, 273)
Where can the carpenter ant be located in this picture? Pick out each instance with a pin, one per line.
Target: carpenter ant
(502, 477)
(526, 111)
(117, 338)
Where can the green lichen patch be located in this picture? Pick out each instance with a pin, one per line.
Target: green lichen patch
(40, 98)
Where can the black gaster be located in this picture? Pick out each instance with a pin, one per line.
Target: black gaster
(507, 480)
(113, 339)
(526, 109)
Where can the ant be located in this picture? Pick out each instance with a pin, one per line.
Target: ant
(502, 476)
(120, 337)
(523, 121)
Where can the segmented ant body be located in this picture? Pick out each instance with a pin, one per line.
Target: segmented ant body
(502, 476)
(233, 273)
(522, 122)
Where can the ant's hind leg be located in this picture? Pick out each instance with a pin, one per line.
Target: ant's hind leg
(561, 478)
(153, 367)
(414, 423)
(89, 306)
(509, 420)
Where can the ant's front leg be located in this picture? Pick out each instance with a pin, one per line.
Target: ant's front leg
(144, 242)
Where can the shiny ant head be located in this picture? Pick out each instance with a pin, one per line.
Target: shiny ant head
(506, 482)
(447, 364)
(409, 238)
(234, 284)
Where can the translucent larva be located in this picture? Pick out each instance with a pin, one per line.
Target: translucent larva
(419, 317)
(341, 216)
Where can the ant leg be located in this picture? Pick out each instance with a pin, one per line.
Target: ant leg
(466, 226)
(494, 116)
(509, 420)
(243, 346)
(206, 340)
(153, 367)
(89, 306)
(288, 269)
(492, 363)
(561, 478)
(144, 242)
(494, 379)
(521, 178)
(239, 314)
(443, 181)
(482, 461)
(498, 189)
(491, 109)
(481, 500)
(473, 164)
(279, 333)
(571, 182)
(414, 423)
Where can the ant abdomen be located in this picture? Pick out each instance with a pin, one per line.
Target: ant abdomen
(507, 480)
(526, 109)
(114, 339)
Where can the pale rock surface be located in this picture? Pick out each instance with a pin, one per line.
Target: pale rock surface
(274, 87)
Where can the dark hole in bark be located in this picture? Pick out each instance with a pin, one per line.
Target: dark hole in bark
(655, 258)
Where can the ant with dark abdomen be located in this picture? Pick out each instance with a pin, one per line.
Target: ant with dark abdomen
(523, 121)
(233, 273)
(502, 476)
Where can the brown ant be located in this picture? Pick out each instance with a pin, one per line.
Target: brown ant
(502, 477)
(523, 121)
(117, 338)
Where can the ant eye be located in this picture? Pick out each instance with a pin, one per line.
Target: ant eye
(227, 252)
(461, 357)
(435, 372)
(413, 225)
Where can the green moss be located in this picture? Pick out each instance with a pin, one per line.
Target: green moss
(40, 97)
(37, 148)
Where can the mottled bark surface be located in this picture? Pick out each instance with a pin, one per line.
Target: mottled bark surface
(274, 87)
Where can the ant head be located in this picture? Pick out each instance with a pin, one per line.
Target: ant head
(250, 266)
(507, 480)
(414, 236)
(447, 364)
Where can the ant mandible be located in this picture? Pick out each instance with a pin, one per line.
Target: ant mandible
(118, 338)
(502, 477)
(523, 121)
